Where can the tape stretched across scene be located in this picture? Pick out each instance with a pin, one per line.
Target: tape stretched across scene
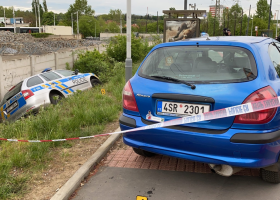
(216, 114)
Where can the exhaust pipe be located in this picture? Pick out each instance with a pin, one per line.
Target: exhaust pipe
(225, 170)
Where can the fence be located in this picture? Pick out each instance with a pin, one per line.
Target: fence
(14, 71)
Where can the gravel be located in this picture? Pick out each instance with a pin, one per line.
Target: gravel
(24, 43)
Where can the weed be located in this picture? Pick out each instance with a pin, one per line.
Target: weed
(82, 114)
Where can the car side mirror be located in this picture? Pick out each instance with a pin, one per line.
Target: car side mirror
(76, 72)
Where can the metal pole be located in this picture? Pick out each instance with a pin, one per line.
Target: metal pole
(5, 18)
(35, 6)
(241, 23)
(78, 23)
(248, 21)
(72, 24)
(14, 19)
(235, 24)
(252, 26)
(121, 22)
(277, 22)
(215, 19)
(128, 61)
(95, 30)
(39, 16)
(186, 7)
(158, 27)
(54, 19)
(228, 18)
(269, 15)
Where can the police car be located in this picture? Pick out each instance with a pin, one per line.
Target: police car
(45, 88)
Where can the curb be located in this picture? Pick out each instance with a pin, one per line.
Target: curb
(74, 182)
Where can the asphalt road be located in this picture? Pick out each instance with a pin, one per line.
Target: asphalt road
(113, 183)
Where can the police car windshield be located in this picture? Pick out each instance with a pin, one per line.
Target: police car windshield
(65, 72)
(50, 76)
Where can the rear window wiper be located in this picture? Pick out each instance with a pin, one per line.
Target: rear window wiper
(249, 74)
(175, 80)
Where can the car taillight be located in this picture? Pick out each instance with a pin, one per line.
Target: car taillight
(27, 94)
(129, 101)
(260, 117)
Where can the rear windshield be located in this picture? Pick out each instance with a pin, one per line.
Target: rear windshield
(211, 64)
(12, 92)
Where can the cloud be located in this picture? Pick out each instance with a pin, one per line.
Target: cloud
(138, 7)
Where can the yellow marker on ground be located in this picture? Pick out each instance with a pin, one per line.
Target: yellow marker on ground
(103, 91)
(141, 198)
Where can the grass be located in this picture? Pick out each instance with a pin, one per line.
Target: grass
(41, 35)
(83, 114)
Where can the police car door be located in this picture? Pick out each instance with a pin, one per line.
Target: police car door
(79, 81)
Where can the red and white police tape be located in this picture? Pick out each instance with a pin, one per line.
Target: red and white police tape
(216, 114)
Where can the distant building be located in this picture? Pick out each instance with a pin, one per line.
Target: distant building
(58, 30)
(212, 10)
(18, 21)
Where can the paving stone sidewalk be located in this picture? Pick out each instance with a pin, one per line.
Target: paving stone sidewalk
(128, 159)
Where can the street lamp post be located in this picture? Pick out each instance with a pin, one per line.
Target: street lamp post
(185, 6)
(128, 61)
(95, 30)
(14, 20)
(277, 22)
(4, 16)
(252, 25)
(72, 24)
(39, 16)
(78, 23)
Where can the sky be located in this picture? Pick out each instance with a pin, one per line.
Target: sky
(138, 7)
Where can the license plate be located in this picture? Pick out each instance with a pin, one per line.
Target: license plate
(180, 109)
(12, 107)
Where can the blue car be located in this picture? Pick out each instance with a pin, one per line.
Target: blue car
(199, 75)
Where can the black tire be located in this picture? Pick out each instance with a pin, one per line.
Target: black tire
(94, 82)
(270, 176)
(55, 97)
(143, 152)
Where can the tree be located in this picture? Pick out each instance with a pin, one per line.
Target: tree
(262, 11)
(48, 19)
(80, 6)
(45, 6)
(115, 15)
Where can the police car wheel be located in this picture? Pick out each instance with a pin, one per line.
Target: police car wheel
(94, 82)
(143, 152)
(55, 98)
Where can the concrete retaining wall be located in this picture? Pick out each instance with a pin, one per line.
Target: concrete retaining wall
(14, 71)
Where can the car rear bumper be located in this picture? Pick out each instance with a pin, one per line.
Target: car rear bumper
(32, 104)
(241, 148)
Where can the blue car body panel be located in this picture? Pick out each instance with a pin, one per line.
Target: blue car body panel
(205, 147)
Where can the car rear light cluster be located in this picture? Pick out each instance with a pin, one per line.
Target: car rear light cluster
(129, 101)
(260, 117)
(27, 94)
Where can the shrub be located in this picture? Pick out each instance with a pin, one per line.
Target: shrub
(98, 63)
(117, 48)
(41, 35)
